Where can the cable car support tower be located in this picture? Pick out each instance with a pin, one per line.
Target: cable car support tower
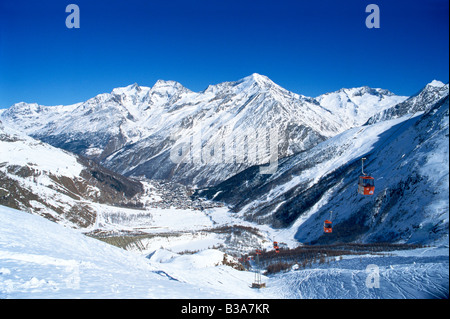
(258, 282)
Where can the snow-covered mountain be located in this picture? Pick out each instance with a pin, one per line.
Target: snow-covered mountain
(420, 102)
(407, 156)
(224, 128)
(178, 250)
(78, 193)
(149, 121)
(354, 106)
(54, 183)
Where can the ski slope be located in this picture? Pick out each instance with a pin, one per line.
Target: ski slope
(40, 259)
(418, 274)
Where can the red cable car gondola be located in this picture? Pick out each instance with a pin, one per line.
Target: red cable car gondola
(366, 184)
(328, 224)
(275, 246)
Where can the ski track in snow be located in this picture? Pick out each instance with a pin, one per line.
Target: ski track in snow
(32, 266)
(408, 277)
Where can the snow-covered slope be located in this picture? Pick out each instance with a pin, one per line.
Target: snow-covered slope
(78, 193)
(354, 106)
(51, 182)
(408, 157)
(420, 102)
(21, 150)
(133, 129)
(40, 259)
(417, 274)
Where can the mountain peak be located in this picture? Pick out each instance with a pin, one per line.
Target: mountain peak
(24, 108)
(436, 83)
(167, 84)
(422, 101)
(362, 90)
(257, 78)
(133, 88)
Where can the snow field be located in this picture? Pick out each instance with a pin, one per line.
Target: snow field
(41, 259)
(38, 156)
(411, 274)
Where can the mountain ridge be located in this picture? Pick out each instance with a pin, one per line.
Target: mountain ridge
(407, 157)
(135, 122)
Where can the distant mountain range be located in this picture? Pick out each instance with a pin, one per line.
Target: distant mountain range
(407, 151)
(104, 152)
(193, 183)
(224, 128)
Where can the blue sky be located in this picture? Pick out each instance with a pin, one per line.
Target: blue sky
(308, 47)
